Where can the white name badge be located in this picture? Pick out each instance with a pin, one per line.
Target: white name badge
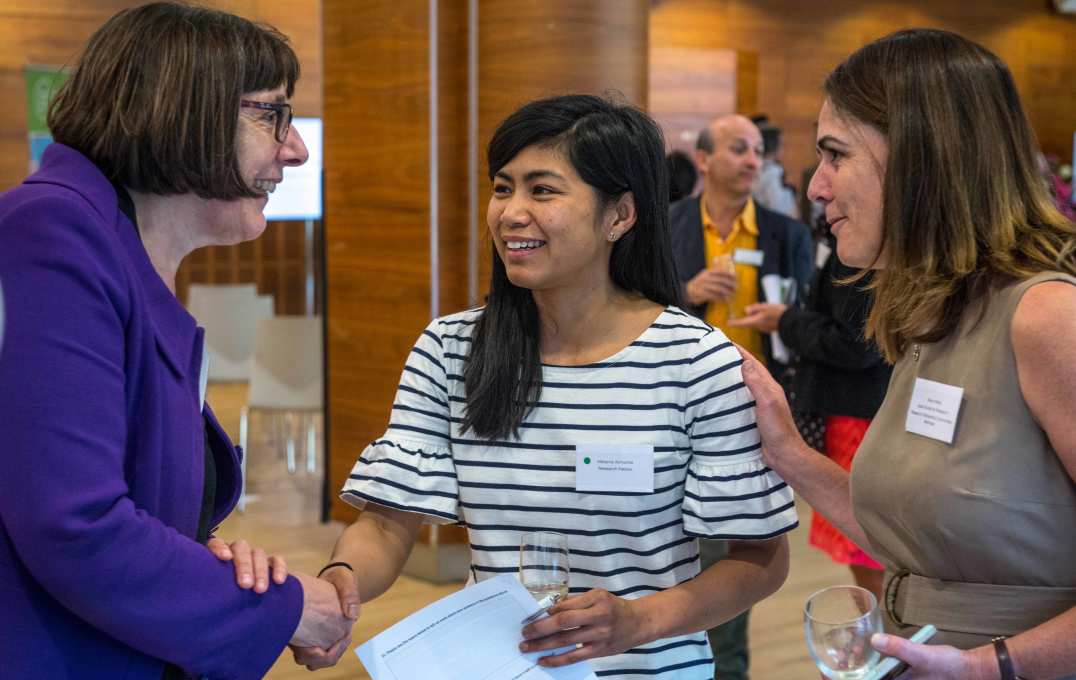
(612, 467)
(748, 256)
(934, 410)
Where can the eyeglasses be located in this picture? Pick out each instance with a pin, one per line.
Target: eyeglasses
(282, 120)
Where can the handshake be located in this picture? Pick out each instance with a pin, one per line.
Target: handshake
(330, 602)
(330, 608)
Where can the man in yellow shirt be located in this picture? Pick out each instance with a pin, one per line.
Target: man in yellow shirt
(725, 224)
(724, 244)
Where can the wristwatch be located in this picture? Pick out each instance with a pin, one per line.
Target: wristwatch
(1004, 660)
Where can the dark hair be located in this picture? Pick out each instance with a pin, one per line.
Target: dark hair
(154, 98)
(771, 138)
(705, 140)
(964, 208)
(682, 175)
(616, 149)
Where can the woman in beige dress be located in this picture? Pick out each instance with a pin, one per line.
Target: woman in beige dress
(963, 487)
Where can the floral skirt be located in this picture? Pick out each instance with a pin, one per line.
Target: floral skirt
(843, 435)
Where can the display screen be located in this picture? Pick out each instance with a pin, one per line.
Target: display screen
(298, 197)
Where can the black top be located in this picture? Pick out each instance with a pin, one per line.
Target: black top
(209, 493)
(840, 372)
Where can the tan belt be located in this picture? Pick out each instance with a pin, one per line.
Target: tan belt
(978, 608)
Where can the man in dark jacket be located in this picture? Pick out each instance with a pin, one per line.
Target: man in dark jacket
(724, 244)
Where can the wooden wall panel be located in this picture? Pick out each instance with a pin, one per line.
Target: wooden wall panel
(797, 43)
(453, 157)
(52, 32)
(377, 160)
(683, 101)
(377, 199)
(540, 48)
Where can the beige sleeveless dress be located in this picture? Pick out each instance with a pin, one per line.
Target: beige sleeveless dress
(978, 537)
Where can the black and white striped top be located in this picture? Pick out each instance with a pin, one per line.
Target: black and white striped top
(677, 388)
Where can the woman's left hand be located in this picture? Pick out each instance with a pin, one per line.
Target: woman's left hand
(252, 566)
(598, 622)
(934, 662)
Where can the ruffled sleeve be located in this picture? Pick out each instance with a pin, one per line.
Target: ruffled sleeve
(410, 467)
(729, 492)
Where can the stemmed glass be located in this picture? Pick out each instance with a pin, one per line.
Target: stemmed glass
(839, 623)
(725, 263)
(543, 566)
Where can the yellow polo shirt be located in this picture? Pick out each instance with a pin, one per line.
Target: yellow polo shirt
(744, 234)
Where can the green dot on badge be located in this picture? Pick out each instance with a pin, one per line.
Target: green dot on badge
(586, 461)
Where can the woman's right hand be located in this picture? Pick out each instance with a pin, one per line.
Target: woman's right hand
(323, 624)
(780, 438)
(347, 593)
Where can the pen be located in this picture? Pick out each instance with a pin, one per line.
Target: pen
(545, 604)
(889, 664)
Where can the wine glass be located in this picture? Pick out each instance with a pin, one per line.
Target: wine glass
(543, 566)
(839, 623)
(725, 263)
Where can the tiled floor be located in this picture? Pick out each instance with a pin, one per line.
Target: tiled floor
(283, 519)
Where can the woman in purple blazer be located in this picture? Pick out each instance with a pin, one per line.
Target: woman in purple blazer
(170, 133)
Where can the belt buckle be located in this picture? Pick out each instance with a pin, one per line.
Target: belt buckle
(892, 588)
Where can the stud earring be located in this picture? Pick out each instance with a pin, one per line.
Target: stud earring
(613, 236)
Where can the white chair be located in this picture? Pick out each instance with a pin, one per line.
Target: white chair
(230, 314)
(286, 379)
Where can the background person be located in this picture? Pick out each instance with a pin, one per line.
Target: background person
(770, 188)
(580, 344)
(682, 175)
(928, 176)
(721, 223)
(169, 134)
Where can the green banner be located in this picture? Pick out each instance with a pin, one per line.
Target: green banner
(42, 82)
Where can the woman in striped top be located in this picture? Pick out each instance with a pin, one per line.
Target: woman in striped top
(580, 344)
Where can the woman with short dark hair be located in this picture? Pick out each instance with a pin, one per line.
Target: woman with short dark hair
(963, 487)
(580, 345)
(170, 132)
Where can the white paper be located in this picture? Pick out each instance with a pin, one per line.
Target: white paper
(473, 634)
(821, 254)
(934, 409)
(612, 467)
(773, 289)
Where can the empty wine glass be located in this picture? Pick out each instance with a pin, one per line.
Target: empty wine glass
(543, 566)
(839, 623)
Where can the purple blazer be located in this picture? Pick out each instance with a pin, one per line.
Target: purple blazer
(102, 456)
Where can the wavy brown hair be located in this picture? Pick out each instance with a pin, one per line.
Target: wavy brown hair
(964, 207)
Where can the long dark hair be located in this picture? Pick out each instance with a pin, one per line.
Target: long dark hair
(616, 149)
(964, 208)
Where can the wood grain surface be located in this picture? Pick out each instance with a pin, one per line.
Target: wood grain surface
(798, 43)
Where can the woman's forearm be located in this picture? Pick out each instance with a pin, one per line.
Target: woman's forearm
(1046, 651)
(376, 546)
(824, 485)
(750, 572)
(820, 481)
